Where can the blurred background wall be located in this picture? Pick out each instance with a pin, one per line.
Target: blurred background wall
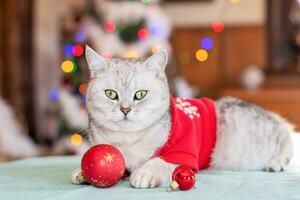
(16, 77)
(242, 13)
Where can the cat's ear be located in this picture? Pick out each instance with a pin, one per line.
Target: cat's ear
(157, 61)
(96, 62)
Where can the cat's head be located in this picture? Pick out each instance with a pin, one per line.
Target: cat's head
(127, 94)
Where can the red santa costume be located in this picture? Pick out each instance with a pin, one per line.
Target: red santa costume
(193, 133)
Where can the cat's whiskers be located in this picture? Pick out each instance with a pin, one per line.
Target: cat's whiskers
(84, 131)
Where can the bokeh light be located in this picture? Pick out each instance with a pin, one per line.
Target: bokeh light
(201, 55)
(143, 34)
(109, 26)
(207, 43)
(155, 31)
(76, 139)
(218, 27)
(84, 99)
(146, 1)
(74, 68)
(155, 48)
(77, 50)
(80, 36)
(234, 1)
(68, 49)
(68, 66)
(53, 95)
(131, 54)
(82, 88)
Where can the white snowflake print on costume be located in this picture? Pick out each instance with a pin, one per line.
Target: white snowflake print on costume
(187, 108)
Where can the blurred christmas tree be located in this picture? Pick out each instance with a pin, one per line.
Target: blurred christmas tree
(125, 29)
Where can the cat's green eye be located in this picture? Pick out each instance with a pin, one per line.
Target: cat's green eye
(113, 95)
(139, 95)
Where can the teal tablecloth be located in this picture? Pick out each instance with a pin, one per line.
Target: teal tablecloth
(49, 178)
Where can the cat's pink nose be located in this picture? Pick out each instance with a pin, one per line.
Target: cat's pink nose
(125, 110)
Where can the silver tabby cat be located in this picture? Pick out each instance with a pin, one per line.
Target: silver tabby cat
(129, 107)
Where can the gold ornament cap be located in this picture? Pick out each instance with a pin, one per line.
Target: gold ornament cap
(173, 186)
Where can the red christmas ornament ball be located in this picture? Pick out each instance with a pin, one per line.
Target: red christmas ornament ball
(184, 177)
(103, 165)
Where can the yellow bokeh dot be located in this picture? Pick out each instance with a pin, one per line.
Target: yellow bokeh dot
(154, 49)
(234, 1)
(131, 54)
(76, 139)
(67, 66)
(201, 55)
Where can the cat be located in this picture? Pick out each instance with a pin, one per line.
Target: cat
(129, 107)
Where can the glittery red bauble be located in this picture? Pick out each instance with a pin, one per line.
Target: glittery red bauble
(184, 177)
(103, 165)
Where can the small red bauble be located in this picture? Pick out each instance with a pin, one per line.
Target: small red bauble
(183, 178)
(103, 165)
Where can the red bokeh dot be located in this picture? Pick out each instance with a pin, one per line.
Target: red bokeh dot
(109, 26)
(218, 27)
(77, 50)
(143, 33)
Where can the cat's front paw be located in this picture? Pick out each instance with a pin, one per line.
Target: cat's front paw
(77, 177)
(144, 178)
